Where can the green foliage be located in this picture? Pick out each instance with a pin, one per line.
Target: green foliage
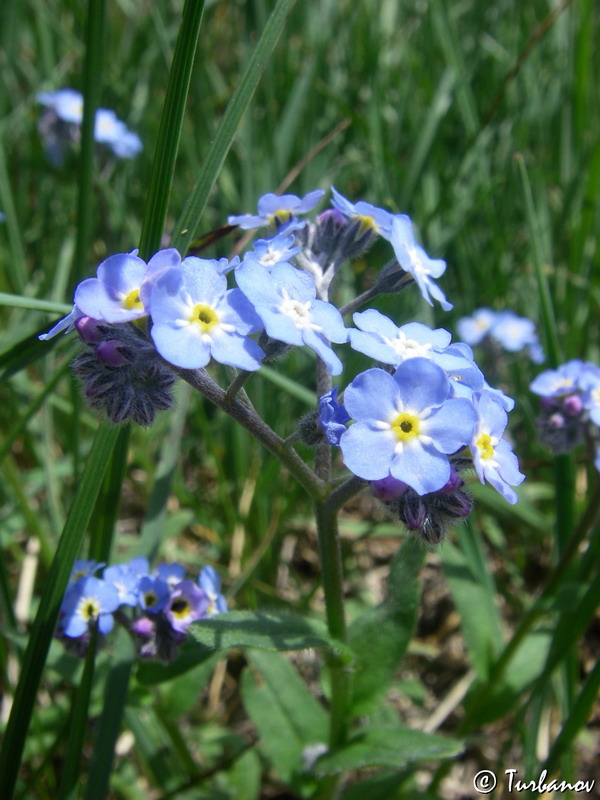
(482, 122)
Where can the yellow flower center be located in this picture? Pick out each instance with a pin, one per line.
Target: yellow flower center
(405, 426)
(132, 301)
(180, 608)
(281, 216)
(366, 223)
(204, 316)
(484, 445)
(150, 599)
(89, 609)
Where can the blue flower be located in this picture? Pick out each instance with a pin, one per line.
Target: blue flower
(171, 573)
(87, 601)
(125, 581)
(210, 583)
(277, 210)
(84, 569)
(187, 603)
(590, 385)
(66, 103)
(269, 252)
(560, 381)
(493, 458)
(195, 317)
(413, 259)
(370, 217)
(285, 300)
(332, 417)
(114, 295)
(153, 593)
(381, 339)
(476, 327)
(405, 425)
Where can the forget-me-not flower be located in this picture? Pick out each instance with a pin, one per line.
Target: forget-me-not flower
(114, 295)
(195, 317)
(276, 250)
(209, 581)
(413, 259)
(332, 417)
(369, 216)
(493, 458)
(285, 300)
(277, 210)
(405, 425)
(88, 601)
(187, 603)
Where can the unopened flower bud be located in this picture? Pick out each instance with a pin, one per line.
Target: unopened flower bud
(573, 405)
(109, 353)
(89, 330)
(388, 488)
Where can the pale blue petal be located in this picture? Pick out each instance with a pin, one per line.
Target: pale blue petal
(372, 395)
(421, 467)
(367, 452)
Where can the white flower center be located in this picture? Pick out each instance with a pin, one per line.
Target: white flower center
(298, 312)
(408, 348)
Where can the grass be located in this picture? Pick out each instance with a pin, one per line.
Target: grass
(482, 122)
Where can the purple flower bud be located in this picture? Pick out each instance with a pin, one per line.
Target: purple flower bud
(454, 482)
(388, 488)
(338, 220)
(573, 405)
(88, 330)
(414, 512)
(143, 626)
(557, 421)
(109, 353)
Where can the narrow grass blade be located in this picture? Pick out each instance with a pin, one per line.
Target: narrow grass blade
(47, 616)
(213, 161)
(92, 82)
(170, 128)
(17, 301)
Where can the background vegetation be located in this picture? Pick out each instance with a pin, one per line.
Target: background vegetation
(479, 120)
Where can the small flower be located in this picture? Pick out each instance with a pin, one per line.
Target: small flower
(371, 218)
(332, 417)
(277, 250)
(413, 259)
(285, 300)
(187, 603)
(476, 327)
(195, 317)
(493, 458)
(210, 583)
(154, 593)
(87, 602)
(125, 581)
(84, 569)
(114, 295)
(277, 210)
(405, 425)
(172, 574)
(66, 103)
(560, 381)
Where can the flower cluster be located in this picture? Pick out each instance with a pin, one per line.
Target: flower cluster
(60, 126)
(504, 328)
(418, 417)
(155, 606)
(570, 406)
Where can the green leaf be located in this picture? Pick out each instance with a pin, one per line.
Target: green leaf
(387, 747)
(483, 705)
(264, 630)
(476, 605)
(191, 655)
(380, 636)
(286, 714)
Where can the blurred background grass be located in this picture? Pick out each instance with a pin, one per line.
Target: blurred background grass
(429, 102)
